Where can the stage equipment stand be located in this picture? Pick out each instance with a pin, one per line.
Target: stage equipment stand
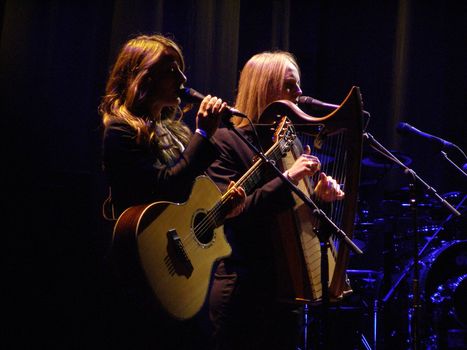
(323, 235)
(414, 312)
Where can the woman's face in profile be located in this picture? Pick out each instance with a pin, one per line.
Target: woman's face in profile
(291, 89)
(166, 79)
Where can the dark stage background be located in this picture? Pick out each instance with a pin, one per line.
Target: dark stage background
(407, 57)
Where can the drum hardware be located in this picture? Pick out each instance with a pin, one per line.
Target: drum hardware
(400, 207)
(430, 244)
(443, 281)
(367, 284)
(453, 197)
(416, 184)
(369, 237)
(361, 235)
(362, 225)
(399, 230)
(403, 237)
(422, 251)
(450, 297)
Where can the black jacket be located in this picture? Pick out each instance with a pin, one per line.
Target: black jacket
(137, 176)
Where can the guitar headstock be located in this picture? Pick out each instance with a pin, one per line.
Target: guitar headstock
(284, 134)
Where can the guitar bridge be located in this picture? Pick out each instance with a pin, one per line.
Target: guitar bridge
(177, 259)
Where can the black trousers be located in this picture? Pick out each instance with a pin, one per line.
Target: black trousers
(245, 317)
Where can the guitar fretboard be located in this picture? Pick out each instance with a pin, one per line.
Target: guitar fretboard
(253, 176)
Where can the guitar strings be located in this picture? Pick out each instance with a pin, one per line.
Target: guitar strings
(337, 170)
(208, 223)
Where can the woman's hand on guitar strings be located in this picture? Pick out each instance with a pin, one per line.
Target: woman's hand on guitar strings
(237, 198)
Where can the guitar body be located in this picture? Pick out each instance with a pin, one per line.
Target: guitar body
(159, 241)
(170, 248)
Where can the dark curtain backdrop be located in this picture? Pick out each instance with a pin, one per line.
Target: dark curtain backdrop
(407, 57)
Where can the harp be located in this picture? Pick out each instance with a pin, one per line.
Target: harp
(336, 139)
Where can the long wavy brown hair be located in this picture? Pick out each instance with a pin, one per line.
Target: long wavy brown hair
(261, 82)
(127, 94)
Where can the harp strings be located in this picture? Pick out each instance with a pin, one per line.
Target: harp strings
(333, 157)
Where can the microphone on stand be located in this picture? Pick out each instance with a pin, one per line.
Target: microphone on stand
(320, 106)
(190, 95)
(407, 129)
(316, 105)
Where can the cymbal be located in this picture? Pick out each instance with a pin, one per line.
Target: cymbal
(377, 160)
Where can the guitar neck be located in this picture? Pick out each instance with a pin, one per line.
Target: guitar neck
(254, 175)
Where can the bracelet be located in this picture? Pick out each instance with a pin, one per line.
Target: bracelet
(202, 133)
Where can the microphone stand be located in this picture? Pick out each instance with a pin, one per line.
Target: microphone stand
(453, 164)
(430, 190)
(322, 237)
(414, 313)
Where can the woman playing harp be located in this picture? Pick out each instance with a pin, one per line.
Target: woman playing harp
(243, 306)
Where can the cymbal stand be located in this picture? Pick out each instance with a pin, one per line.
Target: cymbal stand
(414, 312)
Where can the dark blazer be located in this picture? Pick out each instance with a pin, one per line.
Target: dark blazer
(137, 176)
(242, 302)
(250, 233)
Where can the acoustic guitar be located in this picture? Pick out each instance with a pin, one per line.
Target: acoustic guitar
(176, 244)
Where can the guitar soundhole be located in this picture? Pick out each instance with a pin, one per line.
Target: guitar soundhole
(203, 228)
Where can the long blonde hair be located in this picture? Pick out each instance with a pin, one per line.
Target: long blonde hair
(261, 82)
(126, 98)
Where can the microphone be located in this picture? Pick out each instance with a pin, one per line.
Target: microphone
(407, 129)
(320, 106)
(190, 95)
(316, 105)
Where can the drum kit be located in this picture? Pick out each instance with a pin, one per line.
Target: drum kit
(388, 239)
